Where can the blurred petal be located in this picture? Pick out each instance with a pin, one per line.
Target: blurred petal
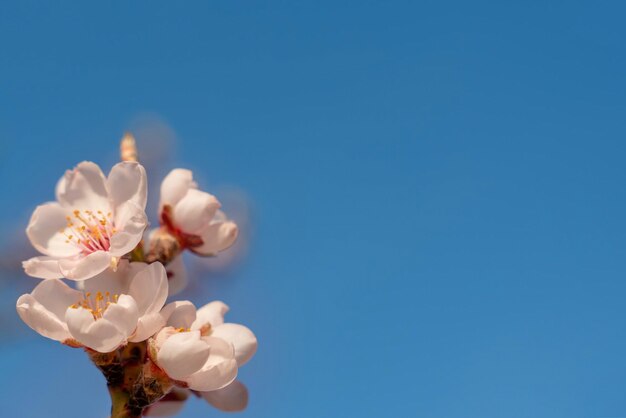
(169, 405)
(177, 275)
(232, 398)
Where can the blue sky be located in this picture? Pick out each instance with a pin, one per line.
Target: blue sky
(434, 193)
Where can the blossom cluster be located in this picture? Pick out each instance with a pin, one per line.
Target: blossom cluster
(106, 281)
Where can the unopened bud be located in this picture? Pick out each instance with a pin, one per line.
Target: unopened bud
(128, 148)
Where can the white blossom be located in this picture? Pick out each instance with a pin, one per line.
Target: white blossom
(198, 348)
(194, 216)
(95, 221)
(112, 309)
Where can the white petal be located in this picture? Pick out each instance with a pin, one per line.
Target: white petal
(81, 268)
(44, 309)
(56, 296)
(43, 267)
(232, 398)
(179, 314)
(83, 188)
(149, 288)
(240, 337)
(147, 326)
(183, 354)
(211, 313)
(176, 275)
(217, 237)
(44, 231)
(195, 211)
(130, 222)
(115, 282)
(162, 336)
(100, 335)
(219, 370)
(123, 314)
(127, 182)
(175, 185)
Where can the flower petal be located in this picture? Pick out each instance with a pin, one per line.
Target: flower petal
(195, 210)
(179, 314)
(231, 398)
(83, 188)
(115, 282)
(100, 335)
(147, 326)
(183, 354)
(44, 231)
(240, 337)
(127, 182)
(217, 237)
(131, 222)
(43, 267)
(56, 296)
(211, 313)
(175, 186)
(149, 288)
(219, 370)
(85, 267)
(43, 310)
(123, 315)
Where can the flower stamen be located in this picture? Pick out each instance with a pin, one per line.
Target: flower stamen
(90, 232)
(97, 304)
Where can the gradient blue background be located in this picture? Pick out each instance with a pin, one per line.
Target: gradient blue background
(435, 193)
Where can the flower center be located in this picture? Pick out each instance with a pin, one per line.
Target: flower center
(96, 304)
(89, 231)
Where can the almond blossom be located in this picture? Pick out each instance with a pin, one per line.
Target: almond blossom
(194, 216)
(95, 221)
(113, 308)
(198, 349)
(152, 356)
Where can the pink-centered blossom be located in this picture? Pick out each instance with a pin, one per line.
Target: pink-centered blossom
(198, 348)
(114, 307)
(194, 216)
(95, 221)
